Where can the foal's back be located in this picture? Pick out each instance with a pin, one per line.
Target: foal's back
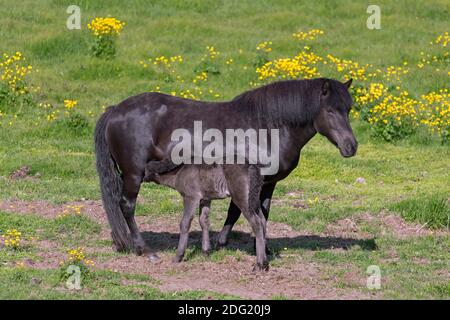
(201, 181)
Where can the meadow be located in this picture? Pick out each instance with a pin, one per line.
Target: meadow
(331, 218)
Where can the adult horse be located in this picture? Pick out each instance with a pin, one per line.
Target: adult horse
(331, 121)
(139, 130)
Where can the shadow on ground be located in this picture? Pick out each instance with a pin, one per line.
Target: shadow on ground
(161, 241)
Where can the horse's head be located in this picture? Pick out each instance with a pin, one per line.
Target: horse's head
(332, 121)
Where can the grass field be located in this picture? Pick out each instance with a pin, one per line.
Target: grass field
(330, 219)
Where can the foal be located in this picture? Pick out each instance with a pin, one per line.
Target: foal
(199, 184)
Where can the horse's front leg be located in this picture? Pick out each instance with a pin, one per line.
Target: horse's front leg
(232, 217)
(130, 190)
(266, 198)
(190, 205)
(205, 206)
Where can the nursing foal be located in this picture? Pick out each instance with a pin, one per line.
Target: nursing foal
(199, 184)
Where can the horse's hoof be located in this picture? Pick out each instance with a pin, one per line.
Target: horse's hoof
(139, 251)
(120, 249)
(177, 259)
(220, 245)
(207, 252)
(153, 258)
(261, 267)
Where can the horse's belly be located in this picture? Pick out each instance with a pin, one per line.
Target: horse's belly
(217, 194)
(213, 183)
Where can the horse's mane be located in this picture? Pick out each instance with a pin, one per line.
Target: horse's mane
(284, 103)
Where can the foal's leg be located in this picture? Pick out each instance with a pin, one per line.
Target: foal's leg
(245, 193)
(131, 186)
(205, 206)
(257, 225)
(258, 228)
(190, 204)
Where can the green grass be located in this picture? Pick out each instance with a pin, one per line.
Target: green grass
(433, 211)
(73, 230)
(409, 177)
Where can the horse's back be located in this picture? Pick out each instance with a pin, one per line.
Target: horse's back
(130, 131)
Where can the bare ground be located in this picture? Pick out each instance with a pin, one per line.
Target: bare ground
(293, 277)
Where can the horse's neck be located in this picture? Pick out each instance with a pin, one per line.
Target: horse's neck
(292, 140)
(303, 135)
(168, 179)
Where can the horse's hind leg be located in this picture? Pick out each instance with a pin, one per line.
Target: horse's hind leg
(131, 186)
(190, 205)
(205, 206)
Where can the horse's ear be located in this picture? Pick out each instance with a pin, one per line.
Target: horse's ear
(325, 87)
(349, 83)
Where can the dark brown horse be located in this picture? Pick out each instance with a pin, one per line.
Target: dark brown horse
(139, 130)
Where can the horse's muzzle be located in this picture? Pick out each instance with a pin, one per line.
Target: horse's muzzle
(348, 148)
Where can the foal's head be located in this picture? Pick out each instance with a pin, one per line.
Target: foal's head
(332, 121)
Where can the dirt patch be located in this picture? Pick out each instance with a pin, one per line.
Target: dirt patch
(295, 199)
(22, 173)
(90, 208)
(48, 259)
(49, 255)
(385, 223)
(392, 224)
(231, 276)
(19, 173)
(299, 280)
(344, 227)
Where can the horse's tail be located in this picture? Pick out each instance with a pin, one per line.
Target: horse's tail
(110, 185)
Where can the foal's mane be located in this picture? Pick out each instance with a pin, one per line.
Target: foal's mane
(284, 103)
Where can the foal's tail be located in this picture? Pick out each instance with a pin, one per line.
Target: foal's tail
(111, 186)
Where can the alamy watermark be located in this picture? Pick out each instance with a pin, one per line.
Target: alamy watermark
(374, 278)
(234, 146)
(73, 22)
(374, 20)
(73, 282)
